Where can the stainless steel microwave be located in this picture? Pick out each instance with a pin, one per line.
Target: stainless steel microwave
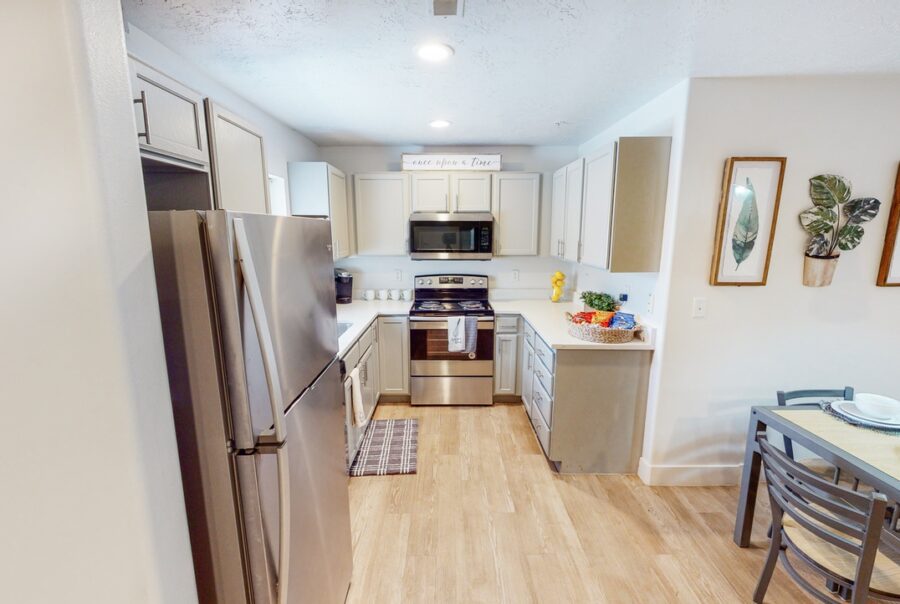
(461, 236)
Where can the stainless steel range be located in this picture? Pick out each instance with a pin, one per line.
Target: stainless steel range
(437, 375)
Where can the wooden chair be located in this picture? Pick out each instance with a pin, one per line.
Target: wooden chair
(783, 398)
(834, 531)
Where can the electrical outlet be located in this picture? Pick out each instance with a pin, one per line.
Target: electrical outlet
(650, 302)
(698, 310)
(398, 275)
(516, 275)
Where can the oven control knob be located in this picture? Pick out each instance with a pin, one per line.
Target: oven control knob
(419, 282)
(472, 282)
(481, 282)
(428, 282)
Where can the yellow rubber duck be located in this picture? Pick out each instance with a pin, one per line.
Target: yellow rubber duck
(558, 280)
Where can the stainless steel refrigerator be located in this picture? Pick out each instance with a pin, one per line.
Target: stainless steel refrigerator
(248, 312)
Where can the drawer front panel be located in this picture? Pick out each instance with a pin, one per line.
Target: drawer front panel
(544, 376)
(544, 353)
(367, 338)
(507, 324)
(542, 401)
(528, 331)
(351, 359)
(542, 431)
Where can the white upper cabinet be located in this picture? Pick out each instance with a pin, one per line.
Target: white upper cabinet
(382, 213)
(168, 116)
(558, 213)
(430, 192)
(240, 179)
(599, 177)
(516, 208)
(320, 189)
(470, 192)
(574, 184)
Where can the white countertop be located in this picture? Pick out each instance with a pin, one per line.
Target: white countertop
(360, 314)
(547, 318)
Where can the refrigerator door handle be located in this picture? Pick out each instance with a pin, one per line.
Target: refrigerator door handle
(251, 283)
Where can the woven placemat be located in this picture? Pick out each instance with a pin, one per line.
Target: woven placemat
(826, 407)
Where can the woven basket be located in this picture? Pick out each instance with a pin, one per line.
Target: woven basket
(592, 332)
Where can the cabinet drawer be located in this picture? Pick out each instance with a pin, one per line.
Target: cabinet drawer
(544, 353)
(351, 359)
(542, 431)
(542, 401)
(507, 324)
(528, 330)
(544, 376)
(367, 338)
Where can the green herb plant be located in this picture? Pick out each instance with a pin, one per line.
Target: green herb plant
(599, 301)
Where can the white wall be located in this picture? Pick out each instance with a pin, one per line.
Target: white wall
(282, 143)
(756, 340)
(534, 272)
(92, 503)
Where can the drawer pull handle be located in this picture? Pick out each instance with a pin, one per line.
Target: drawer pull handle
(143, 103)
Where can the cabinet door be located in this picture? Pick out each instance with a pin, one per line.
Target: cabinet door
(558, 213)
(574, 188)
(527, 381)
(169, 117)
(430, 192)
(352, 432)
(506, 355)
(382, 214)
(340, 218)
(240, 179)
(366, 369)
(393, 349)
(516, 209)
(470, 192)
(596, 215)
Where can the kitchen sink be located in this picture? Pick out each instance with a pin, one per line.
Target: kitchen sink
(343, 327)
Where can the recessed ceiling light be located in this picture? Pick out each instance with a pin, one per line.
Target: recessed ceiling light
(439, 124)
(434, 52)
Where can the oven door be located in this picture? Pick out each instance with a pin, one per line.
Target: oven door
(429, 355)
(449, 237)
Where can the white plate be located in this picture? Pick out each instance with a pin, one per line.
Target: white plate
(848, 409)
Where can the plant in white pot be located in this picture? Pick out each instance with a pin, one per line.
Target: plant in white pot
(834, 225)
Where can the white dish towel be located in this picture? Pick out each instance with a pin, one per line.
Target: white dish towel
(359, 414)
(456, 334)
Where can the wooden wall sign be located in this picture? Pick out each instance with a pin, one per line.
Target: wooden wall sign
(889, 271)
(451, 161)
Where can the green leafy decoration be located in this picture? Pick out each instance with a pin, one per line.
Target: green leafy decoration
(818, 220)
(861, 209)
(818, 246)
(849, 236)
(746, 228)
(828, 190)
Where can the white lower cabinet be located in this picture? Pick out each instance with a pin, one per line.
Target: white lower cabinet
(506, 355)
(393, 348)
(354, 432)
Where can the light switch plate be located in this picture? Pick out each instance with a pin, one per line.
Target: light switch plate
(698, 310)
(515, 275)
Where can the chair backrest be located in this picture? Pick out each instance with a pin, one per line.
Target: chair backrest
(784, 396)
(840, 516)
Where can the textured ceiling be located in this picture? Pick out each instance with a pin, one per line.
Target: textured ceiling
(525, 71)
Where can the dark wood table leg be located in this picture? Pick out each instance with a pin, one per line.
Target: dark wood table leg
(743, 524)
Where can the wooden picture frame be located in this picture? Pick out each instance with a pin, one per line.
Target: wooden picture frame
(889, 270)
(749, 213)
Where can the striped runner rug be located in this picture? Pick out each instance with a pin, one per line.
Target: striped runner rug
(388, 447)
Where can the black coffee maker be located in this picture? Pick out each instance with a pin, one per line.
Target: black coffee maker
(343, 286)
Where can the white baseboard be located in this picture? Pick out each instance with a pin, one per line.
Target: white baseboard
(689, 476)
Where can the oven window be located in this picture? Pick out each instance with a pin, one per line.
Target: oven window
(443, 237)
(431, 345)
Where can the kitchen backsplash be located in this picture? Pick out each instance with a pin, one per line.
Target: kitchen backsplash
(511, 278)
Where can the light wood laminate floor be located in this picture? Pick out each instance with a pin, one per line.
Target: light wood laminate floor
(487, 520)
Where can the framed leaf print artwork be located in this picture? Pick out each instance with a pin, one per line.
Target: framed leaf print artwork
(748, 212)
(889, 271)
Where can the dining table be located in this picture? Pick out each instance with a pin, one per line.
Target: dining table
(871, 456)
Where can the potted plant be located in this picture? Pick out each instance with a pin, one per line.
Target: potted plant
(834, 224)
(598, 301)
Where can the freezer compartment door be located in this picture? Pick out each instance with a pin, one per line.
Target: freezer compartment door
(294, 277)
(320, 560)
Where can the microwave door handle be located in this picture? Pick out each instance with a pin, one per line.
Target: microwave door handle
(251, 283)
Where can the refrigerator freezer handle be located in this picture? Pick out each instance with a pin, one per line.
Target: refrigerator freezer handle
(251, 283)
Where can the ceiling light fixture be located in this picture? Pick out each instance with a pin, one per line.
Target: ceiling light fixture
(434, 52)
(439, 124)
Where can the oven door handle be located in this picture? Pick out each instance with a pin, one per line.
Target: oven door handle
(435, 323)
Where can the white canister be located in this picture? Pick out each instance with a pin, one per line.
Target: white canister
(394, 294)
(369, 294)
(407, 295)
(382, 294)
